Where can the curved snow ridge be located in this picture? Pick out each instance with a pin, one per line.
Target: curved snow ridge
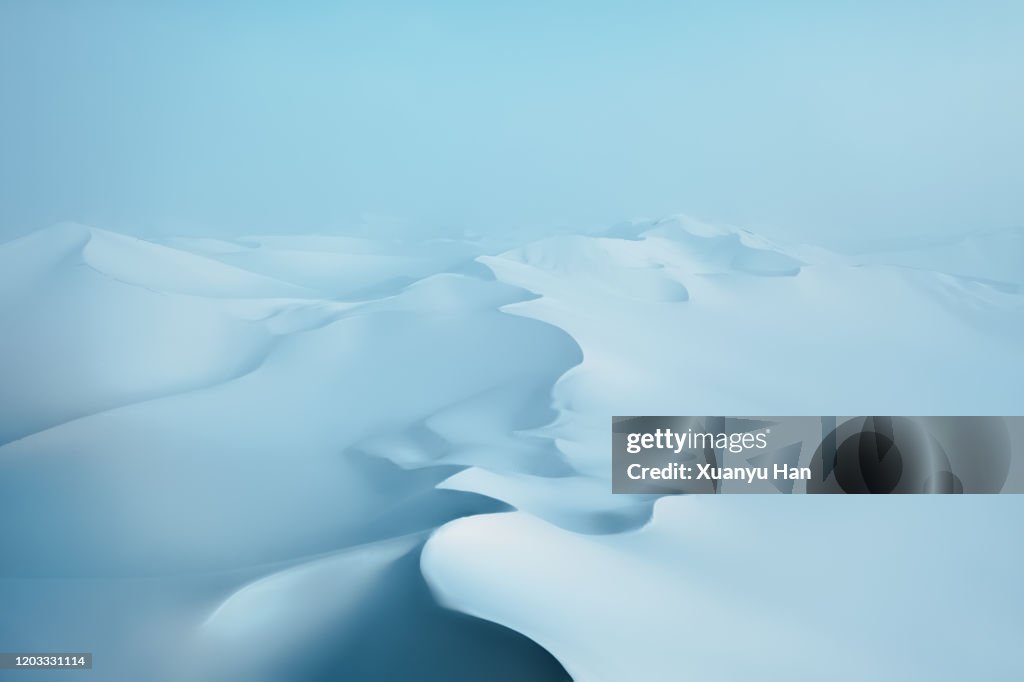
(147, 321)
(83, 341)
(105, 321)
(575, 280)
(764, 329)
(153, 266)
(705, 579)
(361, 613)
(167, 483)
(760, 322)
(579, 503)
(706, 249)
(263, 401)
(325, 394)
(350, 268)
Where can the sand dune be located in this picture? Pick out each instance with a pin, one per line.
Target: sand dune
(243, 447)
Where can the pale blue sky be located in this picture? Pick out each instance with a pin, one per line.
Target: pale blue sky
(830, 122)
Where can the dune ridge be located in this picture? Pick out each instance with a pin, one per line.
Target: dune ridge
(333, 445)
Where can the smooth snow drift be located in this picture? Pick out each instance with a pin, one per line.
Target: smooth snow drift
(324, 457)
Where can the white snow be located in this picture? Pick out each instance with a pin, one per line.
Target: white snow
(260, 426)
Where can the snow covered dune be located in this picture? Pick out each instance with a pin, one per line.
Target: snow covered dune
(292, 457)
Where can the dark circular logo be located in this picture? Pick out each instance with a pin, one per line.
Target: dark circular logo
(886, 455)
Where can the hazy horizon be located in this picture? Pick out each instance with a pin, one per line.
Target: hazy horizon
(835, 125)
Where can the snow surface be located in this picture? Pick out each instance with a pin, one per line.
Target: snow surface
(329, 457)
